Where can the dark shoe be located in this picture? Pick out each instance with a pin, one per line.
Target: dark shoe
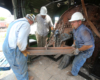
(69, 74)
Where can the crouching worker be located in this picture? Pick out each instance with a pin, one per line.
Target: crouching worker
(83, 42)
(14, 46)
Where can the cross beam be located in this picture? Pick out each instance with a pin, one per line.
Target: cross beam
(49, 50)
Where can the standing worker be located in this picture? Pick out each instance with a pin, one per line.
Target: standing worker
(83, 42)
(14, 46)
(44, 23)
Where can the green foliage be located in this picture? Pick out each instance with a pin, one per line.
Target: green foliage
(33, 37)
(2, 18)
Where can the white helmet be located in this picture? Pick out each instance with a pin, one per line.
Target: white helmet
(43, 10)
(77, 16)
(31, 17)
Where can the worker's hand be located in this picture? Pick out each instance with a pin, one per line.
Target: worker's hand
(73, 45)
(25, 52)
(76, 51)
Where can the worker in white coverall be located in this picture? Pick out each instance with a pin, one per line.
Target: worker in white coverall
(44, 23)
(14, 46)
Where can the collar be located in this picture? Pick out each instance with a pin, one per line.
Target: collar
(79, 27)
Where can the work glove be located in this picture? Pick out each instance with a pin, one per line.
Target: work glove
(25, 52)
(73, 45)
(76, 51)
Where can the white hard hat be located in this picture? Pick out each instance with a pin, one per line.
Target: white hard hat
(43, 10)
(77, 16)
(31, 17)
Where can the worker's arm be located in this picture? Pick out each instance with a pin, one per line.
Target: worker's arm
(73, 45)
(23, 36)
(88, 43)
(85, 47)
(51, 25)
(52, 28)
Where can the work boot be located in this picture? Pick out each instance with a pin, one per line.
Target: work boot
(31, 78)
(70, 74)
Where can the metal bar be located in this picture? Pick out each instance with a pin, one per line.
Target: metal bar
(50, 50)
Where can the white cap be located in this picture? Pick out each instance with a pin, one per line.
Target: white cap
(43, 10)
(31, 17)
(77, 16)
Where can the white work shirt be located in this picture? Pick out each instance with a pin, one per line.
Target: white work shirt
(43, 25)
(18, 34)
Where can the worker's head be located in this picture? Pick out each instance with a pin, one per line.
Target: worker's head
(76, 20)
(31, 18)
(43, 11)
